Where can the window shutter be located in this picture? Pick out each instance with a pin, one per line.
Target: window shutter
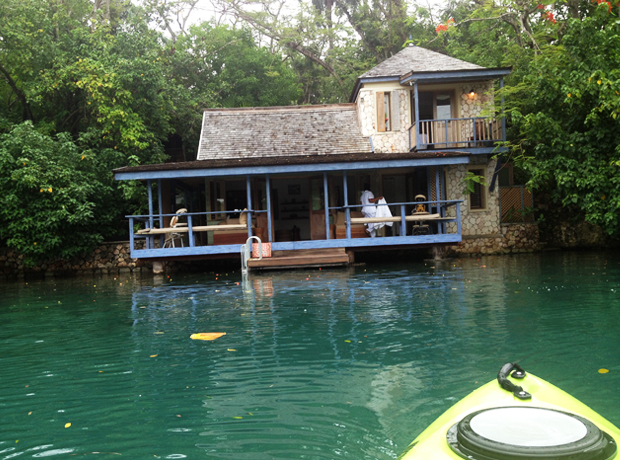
(380, 111)
(395, 111)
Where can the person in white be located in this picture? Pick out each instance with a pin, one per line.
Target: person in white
(369, 209)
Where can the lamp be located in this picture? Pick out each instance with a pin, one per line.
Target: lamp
(472, 93)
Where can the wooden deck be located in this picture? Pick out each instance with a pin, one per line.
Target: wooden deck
(302, 258)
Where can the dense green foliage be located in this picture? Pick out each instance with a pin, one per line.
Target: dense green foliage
(84, 91)
(88, 86)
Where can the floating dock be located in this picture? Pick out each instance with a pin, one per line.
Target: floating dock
(302, 258)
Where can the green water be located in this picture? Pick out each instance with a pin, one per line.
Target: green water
(318, 364)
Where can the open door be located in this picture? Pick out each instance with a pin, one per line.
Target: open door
(317, 209)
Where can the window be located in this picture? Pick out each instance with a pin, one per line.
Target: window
(384, 109)
(477, 199)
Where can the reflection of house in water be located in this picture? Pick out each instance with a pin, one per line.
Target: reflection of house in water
(292, 176)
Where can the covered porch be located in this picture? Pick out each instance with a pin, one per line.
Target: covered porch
(310, 203)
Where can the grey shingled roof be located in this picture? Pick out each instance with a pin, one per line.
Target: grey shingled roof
(416, 59)
(260, 132)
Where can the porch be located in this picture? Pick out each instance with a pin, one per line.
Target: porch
(297, 208)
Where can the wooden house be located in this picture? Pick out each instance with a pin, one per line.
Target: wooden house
(415, 126)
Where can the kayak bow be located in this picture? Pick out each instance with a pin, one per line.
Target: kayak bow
(517, 417)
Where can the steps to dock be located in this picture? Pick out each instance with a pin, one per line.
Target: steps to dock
(302, 258)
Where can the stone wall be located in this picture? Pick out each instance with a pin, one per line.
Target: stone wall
(481, 104)
(108, 258)
(473, 222)
(389, 141)
(513, 238)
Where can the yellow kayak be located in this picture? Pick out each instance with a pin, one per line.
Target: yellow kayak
(517, 417)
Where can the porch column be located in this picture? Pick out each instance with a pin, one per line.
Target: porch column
(326, 201)
(347, 211)
(149, 188)
(268, 193)
(429, 191)
(417, 112)
(501, 87)
(160, 204)
(437, 195)
(249, 195)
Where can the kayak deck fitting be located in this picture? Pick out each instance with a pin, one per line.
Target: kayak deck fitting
(503, 420)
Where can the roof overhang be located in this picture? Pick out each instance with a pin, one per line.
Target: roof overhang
(454, 75)
(444, 76)
(193, 169)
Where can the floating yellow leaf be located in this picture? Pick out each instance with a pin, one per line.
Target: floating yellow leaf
(347, 341)
(153, 356)
(67, 425)
(231, 349)
(238, 418)
(603, 371)
(207, 335)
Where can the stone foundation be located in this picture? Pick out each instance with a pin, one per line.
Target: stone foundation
(514, 238)
(108, 258)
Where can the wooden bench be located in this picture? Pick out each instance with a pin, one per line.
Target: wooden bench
(200, 228)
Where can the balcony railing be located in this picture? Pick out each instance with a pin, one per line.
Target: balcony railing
(455, 133)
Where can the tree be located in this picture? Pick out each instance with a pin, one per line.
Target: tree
(49, 192)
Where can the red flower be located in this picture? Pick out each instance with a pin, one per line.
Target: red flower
(548, 15)
(441, 28)
(541, 6)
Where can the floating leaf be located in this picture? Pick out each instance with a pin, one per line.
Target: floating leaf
(603, 371)
(67, 425)
(231, 349)
(153, 356)
(207, 335)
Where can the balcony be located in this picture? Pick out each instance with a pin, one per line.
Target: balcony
(478, 134)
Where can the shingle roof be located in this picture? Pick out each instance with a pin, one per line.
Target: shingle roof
(416, 59)
(260, 132)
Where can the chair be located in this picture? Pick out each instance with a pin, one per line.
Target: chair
(173, 238)
(420, 209)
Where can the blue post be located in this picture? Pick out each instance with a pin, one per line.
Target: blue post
(190, 232)
(131, 237)
(347, 211)
(150, 239)
(417, 112)
(403, 224)
(458, 218)
(268, 193)
(437, 196)
(501, 86)
(326, 200)
(160, 203)
(473, 120)
(249, 195)
(429, 192)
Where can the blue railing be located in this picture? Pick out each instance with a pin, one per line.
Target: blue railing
(150, 228)
(455, 133)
